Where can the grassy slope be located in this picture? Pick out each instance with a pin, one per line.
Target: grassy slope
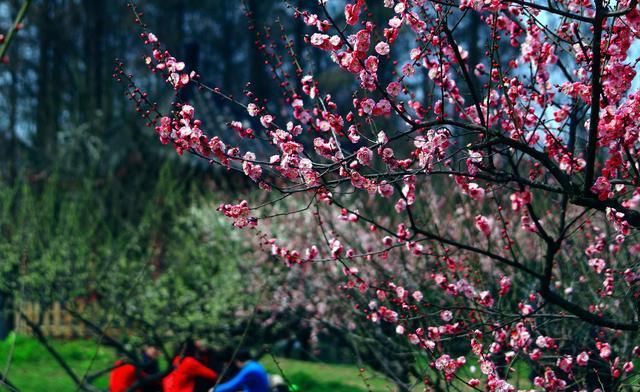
(320, 377)
(32, 368)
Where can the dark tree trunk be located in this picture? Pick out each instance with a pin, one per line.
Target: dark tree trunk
(44, 129)
(257, 75)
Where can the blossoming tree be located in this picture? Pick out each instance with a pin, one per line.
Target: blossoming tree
(496, 198)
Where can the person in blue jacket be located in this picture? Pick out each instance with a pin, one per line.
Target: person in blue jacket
(251, 378)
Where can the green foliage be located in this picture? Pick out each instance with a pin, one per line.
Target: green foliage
(29, 350)
(152, 258)
(47, 235)
(190, 284)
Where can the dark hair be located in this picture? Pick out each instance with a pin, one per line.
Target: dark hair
(243, 355)
(187, 349)
(225, 354)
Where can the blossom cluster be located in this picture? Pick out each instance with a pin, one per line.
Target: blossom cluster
(473, 193)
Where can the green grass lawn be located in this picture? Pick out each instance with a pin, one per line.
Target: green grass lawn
(32, 368)
(320, 377)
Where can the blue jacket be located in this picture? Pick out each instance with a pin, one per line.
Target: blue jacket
(251, 378)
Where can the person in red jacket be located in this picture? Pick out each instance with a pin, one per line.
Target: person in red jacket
(124, 374)
(187, 369)
(122, 377)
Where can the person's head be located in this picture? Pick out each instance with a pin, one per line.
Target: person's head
(243, 356)
(201, 345)
(151, 351)
(124, 356)
(187, 349)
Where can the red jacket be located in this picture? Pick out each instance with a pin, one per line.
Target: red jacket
(183, 378)
(122, 377)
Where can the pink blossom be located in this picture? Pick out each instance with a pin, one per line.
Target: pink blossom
(364, 156)
(385, 189)
(597, 264)
(483, 224)
(382, 108)
(266, 120)
(240, 214)
(475, 191)
(394, 88)
(382, 48)
(505, 285)
(368, 105)
(308, 86)
(251, 169)
(541, 342)
(485, 299)
(336, 248)
(352, 12)
(388, 315)
(582, 359)
(253, 109)
(605, 350)
(602, 188)
(565, 362)
(312, 252)
(382, 138)
(550, 381)
(536, 354)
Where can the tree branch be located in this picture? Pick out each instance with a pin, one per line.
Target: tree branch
(21, 14)
(65, 366)
(108, 339)
(465, 73)
(8, 385)
(596, 91)
(554, 298)
(552, 10)
(633, 4)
